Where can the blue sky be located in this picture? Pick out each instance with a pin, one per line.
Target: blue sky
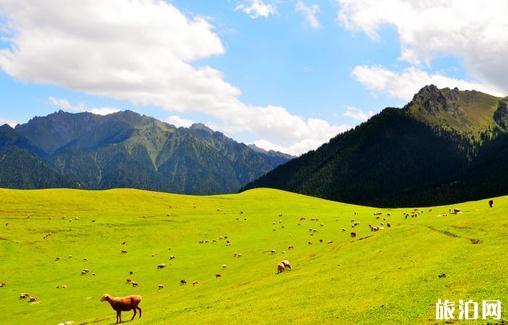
(313, 72)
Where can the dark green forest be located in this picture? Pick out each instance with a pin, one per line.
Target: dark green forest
(445, 146)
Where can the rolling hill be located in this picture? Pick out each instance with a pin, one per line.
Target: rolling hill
(445, 146)
(393, 276)
(126, 149)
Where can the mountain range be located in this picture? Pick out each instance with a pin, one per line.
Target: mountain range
(445, 146)
(125, 149)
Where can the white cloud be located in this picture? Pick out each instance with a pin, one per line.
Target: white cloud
(10, 122)
(475, 31)
(178, 121)
(324, 132)
(256, 8)
(309, 12)
(142, 54)
(403, 85)
(357, 114)
(65, 105)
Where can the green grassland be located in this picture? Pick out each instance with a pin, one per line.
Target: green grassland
(385, 277)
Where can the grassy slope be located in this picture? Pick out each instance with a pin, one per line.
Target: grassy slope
(389, 277)
(472, 113)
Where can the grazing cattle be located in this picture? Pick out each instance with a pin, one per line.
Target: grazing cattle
(287, 264)
(218, 275)
(160, 286)
(195, 282)
(161, 266)
(491, 203)
(120, 304)
(377, 228)
(353, 234)
(280, 268)
(183, 282)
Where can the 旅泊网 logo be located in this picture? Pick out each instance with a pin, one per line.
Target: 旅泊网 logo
(468, 310)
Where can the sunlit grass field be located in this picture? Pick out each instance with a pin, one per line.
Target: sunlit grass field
(384, 277)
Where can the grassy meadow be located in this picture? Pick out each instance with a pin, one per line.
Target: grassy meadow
(384, 277)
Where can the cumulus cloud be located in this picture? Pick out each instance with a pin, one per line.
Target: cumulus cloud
(65, 105)
(144, 54)
(403, 85)
(309, 12)
(179, 121)
(321, 131)
(256, 8)
(357, 114)
(10, 122)
(475, 31)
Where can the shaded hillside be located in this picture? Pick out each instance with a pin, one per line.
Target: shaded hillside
(126, 149)
(21, 165)
(445, 146)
